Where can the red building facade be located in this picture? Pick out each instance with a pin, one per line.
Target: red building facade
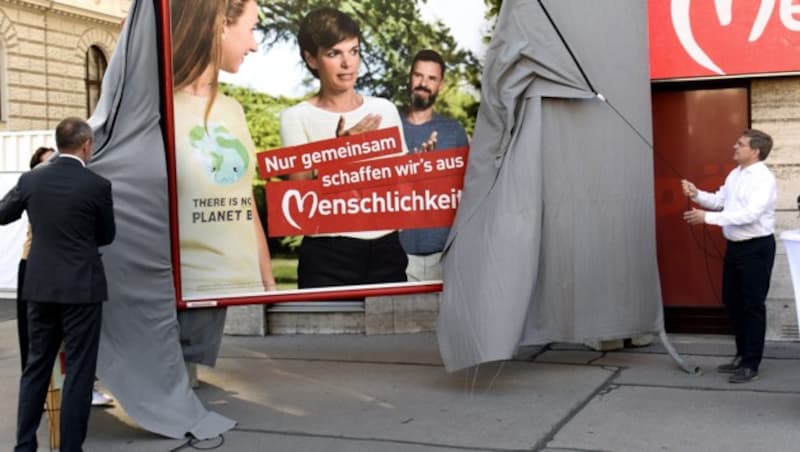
(718, 68)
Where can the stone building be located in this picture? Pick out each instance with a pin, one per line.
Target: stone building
(53, 54)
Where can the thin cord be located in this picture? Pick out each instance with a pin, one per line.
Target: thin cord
(716, 294)
(194, 443)
(706, 256)
(496, 374)
(474, 380)
(706, 235)
(601, 96)
(569, 49)
(641, 136)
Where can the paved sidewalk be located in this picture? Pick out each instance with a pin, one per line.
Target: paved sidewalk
(391, 394)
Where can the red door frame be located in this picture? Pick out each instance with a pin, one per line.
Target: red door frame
(694, 126)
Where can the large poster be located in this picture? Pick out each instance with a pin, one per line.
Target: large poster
(347, 185)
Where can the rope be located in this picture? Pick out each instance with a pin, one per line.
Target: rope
(691, 369)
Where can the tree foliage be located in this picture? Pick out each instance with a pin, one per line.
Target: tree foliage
(393, 32)
(492, 8)
(262, 112)
(492, 11)
(263, 120)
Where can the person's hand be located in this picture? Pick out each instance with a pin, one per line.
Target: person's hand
(370, 122)
(688, 188)
(428, 145)
(269, 285)
(695, 216)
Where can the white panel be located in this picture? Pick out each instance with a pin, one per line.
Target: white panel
(12, 236)
(16, 147)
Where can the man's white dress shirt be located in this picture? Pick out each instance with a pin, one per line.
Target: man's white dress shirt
(745, 204)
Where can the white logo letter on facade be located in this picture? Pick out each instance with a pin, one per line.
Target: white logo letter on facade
(764, 13)
(724, 11)
(788, 10)
(681, 21)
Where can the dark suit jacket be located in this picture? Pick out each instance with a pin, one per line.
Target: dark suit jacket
(71, 213)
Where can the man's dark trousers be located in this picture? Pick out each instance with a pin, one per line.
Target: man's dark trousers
(746, 273)
(78, 325)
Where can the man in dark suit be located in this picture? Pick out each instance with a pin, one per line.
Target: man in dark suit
(71, 213)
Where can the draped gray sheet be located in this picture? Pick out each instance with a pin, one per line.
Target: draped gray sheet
(554, 239)
(140, 358)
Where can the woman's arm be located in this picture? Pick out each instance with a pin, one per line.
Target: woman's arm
(264, 259)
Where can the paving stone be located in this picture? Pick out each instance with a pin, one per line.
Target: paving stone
(510, 409)
(636, 419)
(778, 375)
(568, 356)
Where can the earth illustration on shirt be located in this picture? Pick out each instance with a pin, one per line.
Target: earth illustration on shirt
(223, 157)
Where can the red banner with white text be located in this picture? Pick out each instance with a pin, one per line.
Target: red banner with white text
(402, 192)
(332, 152)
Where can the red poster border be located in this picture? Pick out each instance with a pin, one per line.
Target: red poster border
(327, 294)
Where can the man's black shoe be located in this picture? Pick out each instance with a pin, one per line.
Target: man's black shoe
(732, 367)
(743, 375)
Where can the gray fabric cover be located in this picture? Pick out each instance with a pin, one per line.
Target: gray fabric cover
(140, 358)
(554, 239)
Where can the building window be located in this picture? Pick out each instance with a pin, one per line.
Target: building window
(95, 68)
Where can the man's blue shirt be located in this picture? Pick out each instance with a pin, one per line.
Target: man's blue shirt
(450, 134)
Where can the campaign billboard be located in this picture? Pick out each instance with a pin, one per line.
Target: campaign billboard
(351, 191)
